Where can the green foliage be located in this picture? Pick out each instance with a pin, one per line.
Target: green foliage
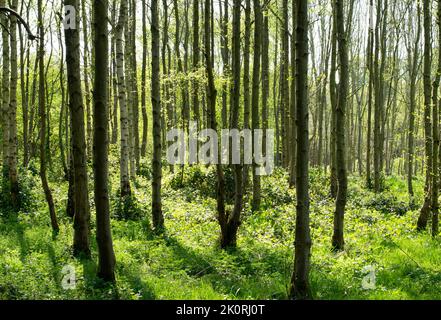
(145, 169)
(387, 203)
(275, 190)
(127, 208)
(26, 198)
(185, 262)
(198, 180)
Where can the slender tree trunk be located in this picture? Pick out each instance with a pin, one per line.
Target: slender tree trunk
(158, 219)
(255, 99)
(225, 61)
(413, 69)
(42, 114)
(425, 209)
(333, 98)
(24, 86)
(144, 80)
(5, 91)
(211, 102)
(340, 203)
(265, 76)
(285, 107)
(196, 54)
(128, 69)
(86, 77)
(300, 289)
(125, 189)
(246, 84)
(436, 142)
(76, 105)
(114, 77)
(229, 235)
(106, 264)
(13, 141)
(61, 121)
(135, 92)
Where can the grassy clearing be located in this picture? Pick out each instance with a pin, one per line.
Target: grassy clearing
(185, 263)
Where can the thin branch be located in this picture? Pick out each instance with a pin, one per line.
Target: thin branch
(22, 21)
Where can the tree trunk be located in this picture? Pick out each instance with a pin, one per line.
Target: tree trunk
(144, 81)
(42, 114)
(229, 234)
(158, 219)
(5, 92)
(300, 289)
(125, 189)
(425, 209)
(81, 196)
(86, 78)
(436, 142)
(340, 203)
(255, 99)
(106, 264)
(13, 141)
(195, 95)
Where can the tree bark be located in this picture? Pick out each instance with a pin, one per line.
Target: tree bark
(158, 219)
(300, 289)
(42, 114)
(340, 203)
(425, 209)
(76, 106)
(106, 264)
(125, 189)
(255, 98)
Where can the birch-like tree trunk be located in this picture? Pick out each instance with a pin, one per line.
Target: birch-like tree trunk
(125, 189)
(76, 105)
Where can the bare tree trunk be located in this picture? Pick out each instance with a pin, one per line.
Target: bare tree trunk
(255, 98)
(425, 209)
(5, 92)
(125, 189)
(300, 289)
(42, 114)
(144, 81)
(229, 235)
(135, 92)
(76, 105)
(265, 76)
(86, 78)
(106, 265)
(246, 84)
(211, 102)
(195, 96)
(436, 142)
(285, 107)
(13, 141)
(340, 202)
(225, 60)
(413, 57)
(333, 98)
(158, 218)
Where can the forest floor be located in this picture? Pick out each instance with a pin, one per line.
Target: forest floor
(185, 262)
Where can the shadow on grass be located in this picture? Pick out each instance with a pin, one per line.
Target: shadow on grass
(234, 272)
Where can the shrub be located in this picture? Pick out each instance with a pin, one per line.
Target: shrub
(387, 203)
(203, 182)
(26, 197)
(127, 208)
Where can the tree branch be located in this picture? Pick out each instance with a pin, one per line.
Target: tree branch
(22, 21)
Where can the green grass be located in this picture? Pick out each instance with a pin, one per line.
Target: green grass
(185, 263)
